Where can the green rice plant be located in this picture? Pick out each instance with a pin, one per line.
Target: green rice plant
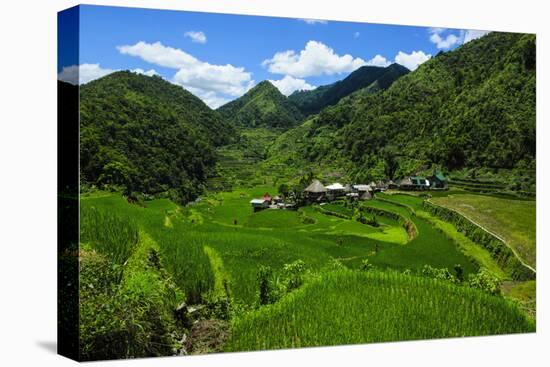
(352, 307)
(112, 235)
(185, 258)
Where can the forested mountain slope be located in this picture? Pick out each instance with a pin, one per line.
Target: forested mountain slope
(471, 107)
(147, 135)
(374, 77)
(262, 106)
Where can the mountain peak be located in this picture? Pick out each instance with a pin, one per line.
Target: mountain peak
(263, 105)
(373, 77)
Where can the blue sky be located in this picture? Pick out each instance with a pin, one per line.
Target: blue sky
(218, 57)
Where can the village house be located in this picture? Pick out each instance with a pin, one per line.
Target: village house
(259, 204)
(335, 190)
(414, 183)
(381, 185)
(367, 195)
(361, 188)
(438, 181)
(392, 185)
(315, 192)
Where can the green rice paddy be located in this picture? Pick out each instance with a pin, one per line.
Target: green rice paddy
(216, 246)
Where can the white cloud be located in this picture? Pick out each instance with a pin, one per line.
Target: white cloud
(472, 34)
(196, 36)
(356, 34)
(289, 85)
(82, 74)
(442, 42)
(449, 40)
(315, 59)
(195, 75)
(313, 21)
(150, 72)
(212, 99)
(413, 60)
(378, 60)
(157, 53)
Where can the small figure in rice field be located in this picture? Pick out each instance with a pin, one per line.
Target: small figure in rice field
(376, 248)
(339, 242)
(235, 221)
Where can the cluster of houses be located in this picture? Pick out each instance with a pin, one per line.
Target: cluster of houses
(267, 201)
(316, 192)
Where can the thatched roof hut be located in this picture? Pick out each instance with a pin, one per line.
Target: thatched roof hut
(316, 187)
(406, 181)
(366, 196)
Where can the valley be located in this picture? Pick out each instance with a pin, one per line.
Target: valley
(176, 260)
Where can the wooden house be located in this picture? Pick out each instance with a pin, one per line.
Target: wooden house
(392, 185)
(361, 188)
(406, 183)
(335, 190)
(381, 185)
(315, 191)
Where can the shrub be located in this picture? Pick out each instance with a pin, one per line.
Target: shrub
(441, 274)
(125, 319)
(366, 265)
(294, 274)
(485, 281)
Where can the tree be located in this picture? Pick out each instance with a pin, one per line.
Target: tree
(283, 190)
(390, 162)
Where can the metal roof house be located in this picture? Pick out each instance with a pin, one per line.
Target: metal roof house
(438, 181)
(259, 204)
(414, 183)
(336, 187)
(420, 182)
(362, 187)
(335, 190)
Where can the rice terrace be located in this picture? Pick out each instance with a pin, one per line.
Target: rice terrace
(391, 203)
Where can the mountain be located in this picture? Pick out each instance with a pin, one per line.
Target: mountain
(470, 107)
(261, 106)
(374, 77)
(145, 134)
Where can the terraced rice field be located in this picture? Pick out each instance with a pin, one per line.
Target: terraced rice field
(512, 220)
(217, 245)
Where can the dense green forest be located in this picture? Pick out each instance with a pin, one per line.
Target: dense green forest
(373, 78)
(469, 111)
(262, 106)
(147, 135)
(470, 108)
